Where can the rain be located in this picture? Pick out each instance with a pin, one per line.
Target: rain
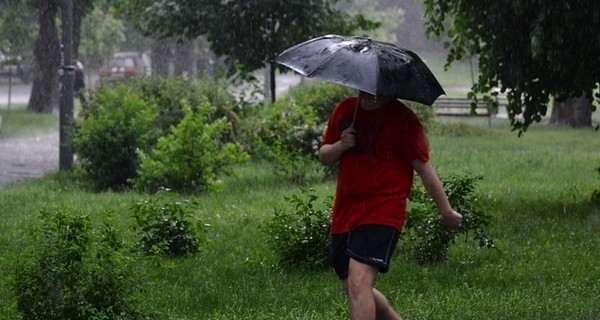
(198, 159)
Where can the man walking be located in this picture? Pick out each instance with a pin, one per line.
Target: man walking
(378, 143)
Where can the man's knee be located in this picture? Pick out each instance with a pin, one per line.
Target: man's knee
(361, 279)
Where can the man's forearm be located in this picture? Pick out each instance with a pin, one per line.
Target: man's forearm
(434, 187)
(330, 154)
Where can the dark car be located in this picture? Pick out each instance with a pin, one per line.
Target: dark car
(15, 66)
(125, 65)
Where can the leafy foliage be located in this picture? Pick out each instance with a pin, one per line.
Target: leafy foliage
(122, 121)
(427, 238)
(529, 49)
(300, 237)
(101, 35)
(192, 156)
(167, 226)
(169, 95)
(288, 133)
(74, 273)
(17, 28)
(109, 137)
(253, 32)
(322, 97)
(595, 195)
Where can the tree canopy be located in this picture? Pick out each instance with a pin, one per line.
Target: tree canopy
(530, 49)
(17, 30)
(249, 32)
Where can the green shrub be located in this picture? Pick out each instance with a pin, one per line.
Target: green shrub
(595, 195)
(321, 97)
(288, 132)
(300, 235)
(108, 138)
(288, 135)
(193, 156)
(427, 239)
(169, 95)
(73, 273)
(167, 226)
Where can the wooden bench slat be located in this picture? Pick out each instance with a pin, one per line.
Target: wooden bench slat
(461, 107)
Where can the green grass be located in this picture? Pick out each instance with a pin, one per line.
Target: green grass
(545, 265)
(19, 122)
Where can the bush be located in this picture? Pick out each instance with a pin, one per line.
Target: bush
(595, 195)
(73, 273)
(169, 95)
(288, 136)
(110, 135)
(321, 97)
(107, 141)
(192, 156)
(427, 238)
(167, 226)
(300, 237)
(288, 133)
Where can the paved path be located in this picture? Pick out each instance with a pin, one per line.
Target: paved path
(27, 157)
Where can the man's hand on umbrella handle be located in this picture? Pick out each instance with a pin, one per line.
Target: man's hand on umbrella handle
(452, 219)
(348, 138)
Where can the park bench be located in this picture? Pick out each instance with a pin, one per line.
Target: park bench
(461, 107)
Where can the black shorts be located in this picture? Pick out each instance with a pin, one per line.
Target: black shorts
(369, 244)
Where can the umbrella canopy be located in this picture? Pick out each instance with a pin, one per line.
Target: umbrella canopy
(379, 68)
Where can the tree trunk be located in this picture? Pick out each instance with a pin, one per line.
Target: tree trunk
(78, 15)
(44, 91)
(183, 58)
(573, 112)
(161, 51)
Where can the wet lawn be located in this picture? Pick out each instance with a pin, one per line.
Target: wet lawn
(536, 187)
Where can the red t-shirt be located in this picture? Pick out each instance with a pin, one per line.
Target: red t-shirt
(375, 176)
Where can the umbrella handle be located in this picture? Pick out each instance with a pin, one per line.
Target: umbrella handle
(355, 112)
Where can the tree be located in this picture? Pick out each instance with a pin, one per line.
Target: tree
(389, 16)
(81, 8)
(101, 35)
(530, 49)
(249, 33)
(46, 51)
(16, 28)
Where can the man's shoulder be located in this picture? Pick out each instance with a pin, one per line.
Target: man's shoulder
(346, 102)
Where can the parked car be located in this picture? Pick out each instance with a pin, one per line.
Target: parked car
(125, 65)
(15, 66)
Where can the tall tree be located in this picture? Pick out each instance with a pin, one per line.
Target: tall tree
(250, 33)
(17, 31)
(46, 51)
(530, 49)
(101, 35)
(81, 8)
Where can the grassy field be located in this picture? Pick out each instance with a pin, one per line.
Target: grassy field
(545, 265)
(18, 122)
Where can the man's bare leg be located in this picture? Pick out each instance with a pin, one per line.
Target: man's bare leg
(383, 307)
(366, 302)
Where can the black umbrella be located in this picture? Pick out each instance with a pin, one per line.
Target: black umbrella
(379, 68)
